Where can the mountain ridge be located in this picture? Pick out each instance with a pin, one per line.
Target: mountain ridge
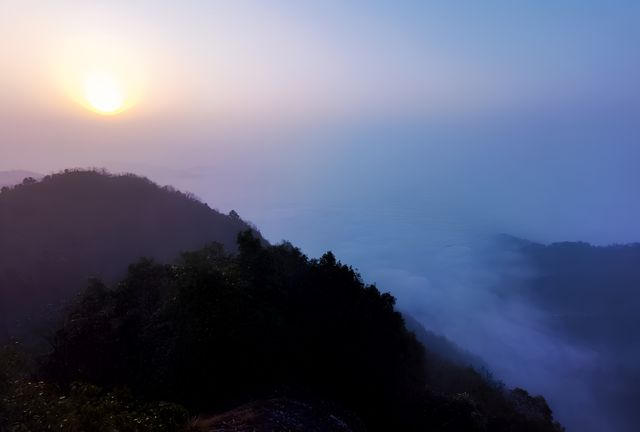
(14, 177)
(58, 231)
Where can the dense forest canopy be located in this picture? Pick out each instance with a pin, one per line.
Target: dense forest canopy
(214, 330)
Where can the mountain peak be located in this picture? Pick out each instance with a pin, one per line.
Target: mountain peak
(61, 229)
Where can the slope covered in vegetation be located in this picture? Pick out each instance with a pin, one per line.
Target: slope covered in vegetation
(58, 231)
(216, 330)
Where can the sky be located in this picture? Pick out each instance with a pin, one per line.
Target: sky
(400, 134)
(520, 113)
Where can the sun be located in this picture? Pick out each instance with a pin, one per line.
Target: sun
(104, 93)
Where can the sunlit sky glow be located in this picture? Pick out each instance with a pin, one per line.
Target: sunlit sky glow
(255, 58)
(104, 92)
(543, 93)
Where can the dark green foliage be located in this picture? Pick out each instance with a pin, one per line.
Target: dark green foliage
(30, 405)
(215, 330)
(38, 406)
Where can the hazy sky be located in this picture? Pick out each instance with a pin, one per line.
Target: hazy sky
(394, 132)
(524, 115)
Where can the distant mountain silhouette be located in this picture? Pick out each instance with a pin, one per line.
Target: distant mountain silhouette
(56, 232)
(593, 292)
(14, 177)
(591, 297)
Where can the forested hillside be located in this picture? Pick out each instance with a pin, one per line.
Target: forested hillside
(216, 330)
(57, 232)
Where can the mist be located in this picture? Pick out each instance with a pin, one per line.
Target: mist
(416, 208)
(420, 214)
(406, 138)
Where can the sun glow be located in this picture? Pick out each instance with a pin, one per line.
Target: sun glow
(100, 74)
(103, 93)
